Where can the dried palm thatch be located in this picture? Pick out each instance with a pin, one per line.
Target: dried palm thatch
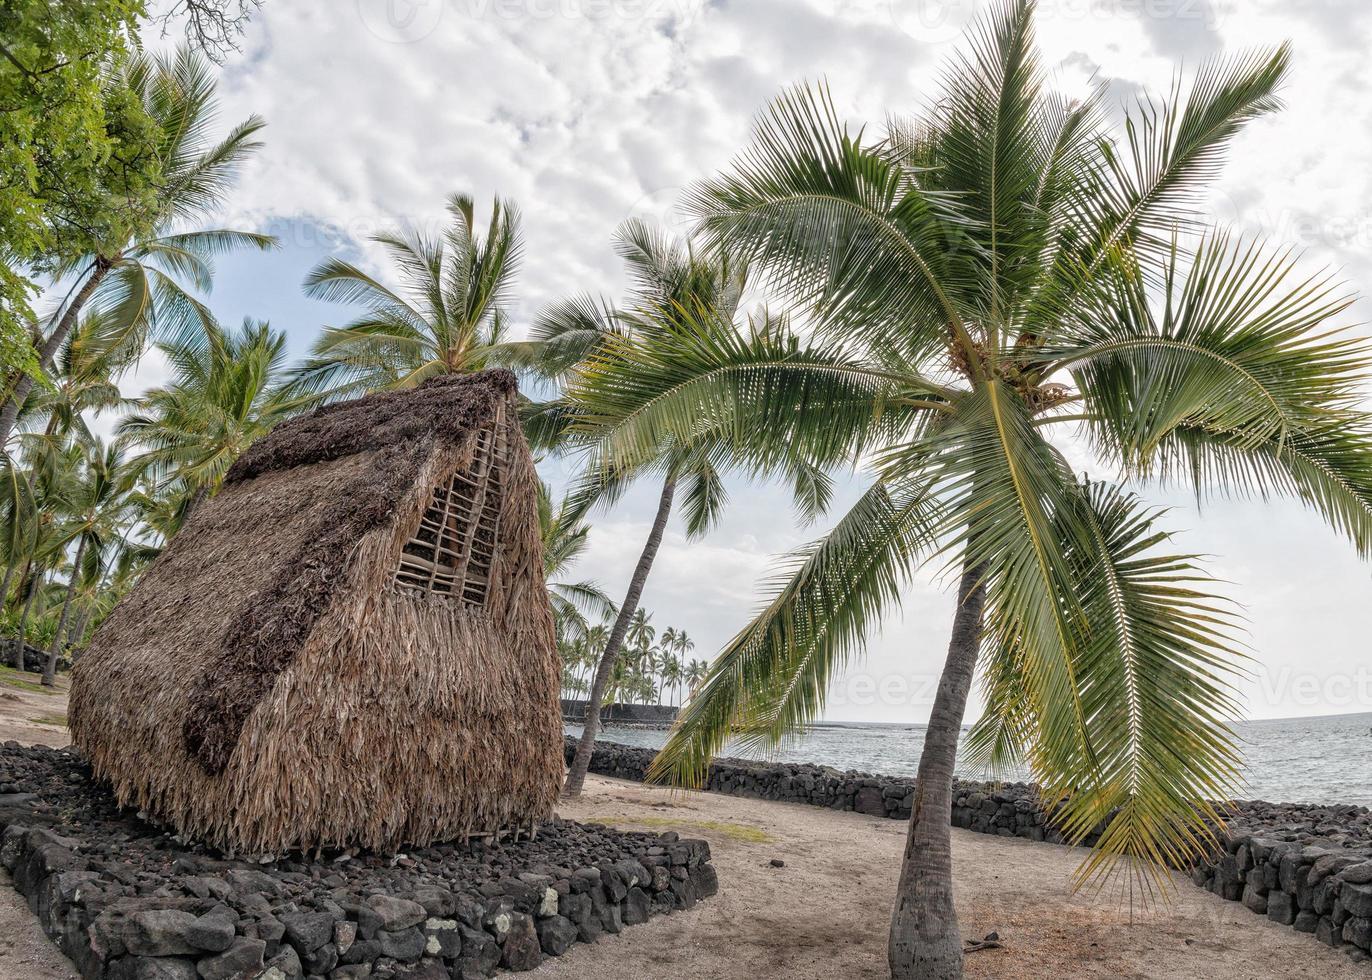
(349, 645)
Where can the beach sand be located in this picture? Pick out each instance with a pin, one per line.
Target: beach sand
(825, 913)
(30, 713)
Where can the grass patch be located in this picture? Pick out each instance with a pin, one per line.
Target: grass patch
(20, 681)
(740, 832)
(59, 721)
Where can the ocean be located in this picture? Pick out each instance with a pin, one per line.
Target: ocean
(1288, 760)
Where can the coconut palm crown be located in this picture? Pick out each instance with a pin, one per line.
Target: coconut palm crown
(447, 317)
(982, 284)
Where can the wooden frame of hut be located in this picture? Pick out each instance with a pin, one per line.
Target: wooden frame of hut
(350, 644)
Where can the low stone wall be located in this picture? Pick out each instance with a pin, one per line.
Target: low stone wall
(1007, 809)
(627, 714)
(34, 659)
(126, 900)
(1303, 865)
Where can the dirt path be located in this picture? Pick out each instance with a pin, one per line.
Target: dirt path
(31, 713)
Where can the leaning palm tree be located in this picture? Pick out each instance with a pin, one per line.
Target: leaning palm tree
(447, 317)
(982, 283)
(137, 278)
(227, 390)
(667, 280)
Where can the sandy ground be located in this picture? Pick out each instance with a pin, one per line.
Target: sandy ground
(824, 914)
(25, 952)
(34, 717)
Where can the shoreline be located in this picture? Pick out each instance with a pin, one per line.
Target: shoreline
(1324, 760)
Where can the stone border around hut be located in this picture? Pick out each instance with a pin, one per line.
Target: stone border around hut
(125, 900)
(1302, 865)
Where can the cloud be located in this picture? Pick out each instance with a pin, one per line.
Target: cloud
(588, 111)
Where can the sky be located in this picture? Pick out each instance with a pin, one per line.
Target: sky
(588, 112)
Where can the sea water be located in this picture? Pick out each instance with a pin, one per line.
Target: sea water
(1288, 760)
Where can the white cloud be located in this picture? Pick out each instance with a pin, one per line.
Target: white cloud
(587, 111)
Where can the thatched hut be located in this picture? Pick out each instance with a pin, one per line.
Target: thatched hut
(349, 645)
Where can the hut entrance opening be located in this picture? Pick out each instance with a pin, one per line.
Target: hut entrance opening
(452, 550)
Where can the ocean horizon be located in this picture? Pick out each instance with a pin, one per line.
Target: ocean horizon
(1321, 759)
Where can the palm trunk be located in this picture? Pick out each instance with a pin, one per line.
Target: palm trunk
(50, 668)
(78, 630)
(925, 942)
(581, 761)
(78, 625)
(35, 586)
(18, 659)
(48, 352)
(10, 568)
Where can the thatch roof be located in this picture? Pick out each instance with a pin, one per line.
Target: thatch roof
(270, 682)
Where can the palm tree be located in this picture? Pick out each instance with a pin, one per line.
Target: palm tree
(596, 638)
(641, 632)
(684, 645)
(98, 514)
(228, 389)
(668, 638)
(573, 655)
(37, 537)
(135, 278)
(696, 672)
(670, 667)
(447, 318)
(978, 282)
(675, 288)
(84, 377)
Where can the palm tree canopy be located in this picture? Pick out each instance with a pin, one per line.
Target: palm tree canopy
(677, 290)
(154, 253)
(978, 281)
(447, 316)
(227, 391)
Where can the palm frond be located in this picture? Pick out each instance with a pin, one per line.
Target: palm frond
(773, 676)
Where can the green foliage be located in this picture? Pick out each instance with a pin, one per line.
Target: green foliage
(448, 317)
(69, 143)
(9, 677)
(975, 280)
(227, 391)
